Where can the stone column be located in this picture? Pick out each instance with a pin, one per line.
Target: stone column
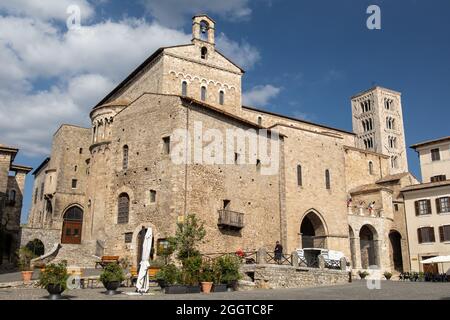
(300, 241)
(321, 262)
(261, 256)
(357, 251)
(294, 259)
(343, 263)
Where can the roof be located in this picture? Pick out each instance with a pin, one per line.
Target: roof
(18, 167)
(295, 119)
(366, 151)
(374, 88)
(430, 142)
(393, 177)
(227, 114)
(368, 188)
(42, 165)
(203, 15)
(428, 185)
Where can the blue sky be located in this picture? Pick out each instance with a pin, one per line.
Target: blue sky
(303, 58)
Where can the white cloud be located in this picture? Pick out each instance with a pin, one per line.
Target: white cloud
(46, 9)
(260, 95)
(244, 54)
(173, 12)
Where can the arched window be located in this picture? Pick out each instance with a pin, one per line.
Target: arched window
(184, 88)
(366, 144)
(12, 195)
(204, 27)
(203, 94)
(299, 176)
(125, 158)
(221, 97)
(370, 167)
(362, 107)
(123, 211)
(370, 124)
(204, 52)
(364, 126)
(260, 120)
(327, 179)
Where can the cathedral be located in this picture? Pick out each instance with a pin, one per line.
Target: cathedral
(102, 187)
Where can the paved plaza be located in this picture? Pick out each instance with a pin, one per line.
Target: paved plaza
(357, 290)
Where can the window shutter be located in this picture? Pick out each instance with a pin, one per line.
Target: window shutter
(438, 205)
(441, 234)
(429, 206)
(416, 204)
(419, 235)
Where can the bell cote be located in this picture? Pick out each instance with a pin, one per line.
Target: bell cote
(203, 28)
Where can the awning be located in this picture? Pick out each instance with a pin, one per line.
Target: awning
(438, 259)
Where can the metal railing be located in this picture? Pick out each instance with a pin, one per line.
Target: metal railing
(283, 259)
(228, 218)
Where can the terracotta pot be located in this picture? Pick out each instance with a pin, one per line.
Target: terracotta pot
(26, 276)
(206, 287)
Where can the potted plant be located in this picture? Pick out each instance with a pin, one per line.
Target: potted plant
(227, 272)
(111, 277)
(363, 274)
(387, 275)
(191, 273)
(207, 277)
(169, 278)
(54, 279)
(25, 256)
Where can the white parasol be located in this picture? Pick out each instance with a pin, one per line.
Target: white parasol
(142, 284)
(438, 259)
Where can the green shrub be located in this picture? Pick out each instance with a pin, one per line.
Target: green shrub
(54, 274)
(158, 263)
(207, 273)
(387, 275)
(226, 269)
(188, 235)
(25, 255)
(363, 274)
(169, 274)
(191, 270)
(111, 273)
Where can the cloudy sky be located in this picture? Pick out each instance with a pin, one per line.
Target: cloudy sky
(303, 59)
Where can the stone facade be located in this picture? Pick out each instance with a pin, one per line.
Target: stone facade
(127, 179)
(12, 187)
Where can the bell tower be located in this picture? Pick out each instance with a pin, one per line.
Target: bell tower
(203, 28)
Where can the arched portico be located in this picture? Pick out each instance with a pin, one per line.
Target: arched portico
(368, 239)
(395, 250)
(313, 231)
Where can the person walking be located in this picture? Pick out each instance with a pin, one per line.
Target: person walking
(278, 252)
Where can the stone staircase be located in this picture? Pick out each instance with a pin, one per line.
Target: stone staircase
(76, 255)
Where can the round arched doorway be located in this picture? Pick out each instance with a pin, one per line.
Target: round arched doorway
(312, 231)
(395, 240)
(368, 244)
(72, 226)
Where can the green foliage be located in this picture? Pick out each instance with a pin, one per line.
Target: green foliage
(387, 275)
(158, 263)
(54, 274)
(25, 255)
(169, 274)
(191, 270)
(207, 272)
(363, 274)
(111, 273)
(226, 269)
(188, 235)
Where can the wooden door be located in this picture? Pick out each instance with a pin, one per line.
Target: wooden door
(71, 232)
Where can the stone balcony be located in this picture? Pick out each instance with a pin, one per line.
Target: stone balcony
(363, 211)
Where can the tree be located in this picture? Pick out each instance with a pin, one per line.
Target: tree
(188, 235)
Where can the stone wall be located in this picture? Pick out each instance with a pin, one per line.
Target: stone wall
(276, 276)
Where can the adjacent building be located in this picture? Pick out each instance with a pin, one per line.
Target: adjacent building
(12, 187)
(328, 188)
(428, 206)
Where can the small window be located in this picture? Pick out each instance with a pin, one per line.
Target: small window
(74, 169)
(259, 121)
(327, 179)
(128, 237)
(125, 157)
(12, 195)
(443, 205)
(236, 158)
(435, 155)
(81, 150)
(221, 97)
(152, 196)
(204, 52)
(444, 233)
(226, 204)
(166, 143)
(74, 183)
(299, 176)
(426, 235)
(123, 209)
(370, 167)
(423, 207)
(258, 164)
(203, 94)
(396, 207)
(184, 88)
(162, 246)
